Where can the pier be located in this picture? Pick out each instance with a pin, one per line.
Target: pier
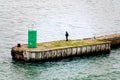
(113, 38)
(48, 50)
(63, 49)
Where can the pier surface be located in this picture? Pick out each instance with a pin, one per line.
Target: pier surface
(114, 38)
(44, 46)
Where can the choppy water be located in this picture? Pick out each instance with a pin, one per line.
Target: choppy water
(81, 18)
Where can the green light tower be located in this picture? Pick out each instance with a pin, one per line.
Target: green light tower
(32, 38)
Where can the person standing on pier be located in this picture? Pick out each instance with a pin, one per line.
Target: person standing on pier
(66, 34)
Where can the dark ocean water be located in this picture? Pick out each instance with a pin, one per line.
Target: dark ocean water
(51, 18)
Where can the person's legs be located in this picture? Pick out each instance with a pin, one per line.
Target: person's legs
(66, 38)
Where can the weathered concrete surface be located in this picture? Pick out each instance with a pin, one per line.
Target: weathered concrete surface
(114, 38)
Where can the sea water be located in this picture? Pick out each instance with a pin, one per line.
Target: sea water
(52, 18)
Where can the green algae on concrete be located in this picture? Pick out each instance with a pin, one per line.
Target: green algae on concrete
(71, 43)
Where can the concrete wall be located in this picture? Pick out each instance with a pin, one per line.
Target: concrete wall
(65, 52)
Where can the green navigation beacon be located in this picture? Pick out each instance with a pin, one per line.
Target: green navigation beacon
(32, 38)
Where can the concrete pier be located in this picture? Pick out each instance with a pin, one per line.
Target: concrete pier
(39, 54)
(62, 49)
(114, 38)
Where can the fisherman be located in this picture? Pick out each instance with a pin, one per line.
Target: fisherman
(66, 34)
(94, 38)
